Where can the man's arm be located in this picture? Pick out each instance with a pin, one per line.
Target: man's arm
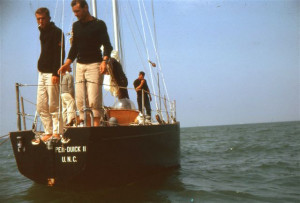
(140, 86)
(107, 47)
(65, 67)
(71, 56)
(106, 42)
(58, 55)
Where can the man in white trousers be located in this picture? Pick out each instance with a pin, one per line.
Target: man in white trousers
(52, 54)
(89, 34)
(67, 97)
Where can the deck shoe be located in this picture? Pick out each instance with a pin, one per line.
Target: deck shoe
(65, 140)
(56, 137)
(72, 122)
(46, 137)
(36, 141)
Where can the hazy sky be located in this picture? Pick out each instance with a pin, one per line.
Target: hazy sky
(225, 62)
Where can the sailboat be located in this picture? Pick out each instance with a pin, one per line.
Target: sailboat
(110, 154)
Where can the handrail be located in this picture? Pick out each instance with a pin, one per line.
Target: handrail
(160, 112)
(128, 88)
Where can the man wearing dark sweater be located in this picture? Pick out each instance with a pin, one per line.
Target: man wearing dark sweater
(89, 34)
(52, 54)
(141, 84)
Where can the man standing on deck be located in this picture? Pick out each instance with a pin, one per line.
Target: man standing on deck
(139, 85)
(89, 34)
(51, 57)
(67, 99)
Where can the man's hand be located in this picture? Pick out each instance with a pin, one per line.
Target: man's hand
(64, 68)
(141, 85)
(55, 80)
(103, 67)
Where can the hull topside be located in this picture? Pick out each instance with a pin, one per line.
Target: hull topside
(105, 154)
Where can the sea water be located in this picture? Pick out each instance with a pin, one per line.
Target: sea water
(237, 163)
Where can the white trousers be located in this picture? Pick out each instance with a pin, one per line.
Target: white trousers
(48, 104)
(91, 73)
(68, 108)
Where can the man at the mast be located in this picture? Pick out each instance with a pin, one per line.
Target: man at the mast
(52, 54)
(89, 34)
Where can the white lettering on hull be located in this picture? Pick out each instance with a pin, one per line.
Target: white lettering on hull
(70, 149)
(68, 159)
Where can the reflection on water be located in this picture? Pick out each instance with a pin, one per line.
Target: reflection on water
(152, 188)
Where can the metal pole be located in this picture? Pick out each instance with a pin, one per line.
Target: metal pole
(18, 107)
(74, 75)
(84, 103)
(23, 113)
(116, 26)
(165, 102)
(94, 8)
(175, 110)
(117, 30)
(143, 106)
(160, 114)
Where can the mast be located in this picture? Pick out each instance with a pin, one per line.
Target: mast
(94, 8)
(116, 24)
(117, 37)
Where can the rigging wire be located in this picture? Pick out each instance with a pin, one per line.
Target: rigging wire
(30, 102)
(55, 10)
(4, 141)
(155, 48)
(145, 39)
(136, 44)
(4, 136)
(154, 26)
(141, 37)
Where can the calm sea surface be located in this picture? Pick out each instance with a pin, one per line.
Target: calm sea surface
(238, 163)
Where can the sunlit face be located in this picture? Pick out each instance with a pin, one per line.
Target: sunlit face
(42, 19)
(79, 12)
(141, 76)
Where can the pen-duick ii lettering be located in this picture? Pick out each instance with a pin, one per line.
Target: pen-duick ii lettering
(70, 149)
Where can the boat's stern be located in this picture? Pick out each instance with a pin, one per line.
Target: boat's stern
(54, 162)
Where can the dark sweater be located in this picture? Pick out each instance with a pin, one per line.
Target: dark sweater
(145, 87)
(50, 58)
(87, 40)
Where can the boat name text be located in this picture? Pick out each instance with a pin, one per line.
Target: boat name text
(70, 149)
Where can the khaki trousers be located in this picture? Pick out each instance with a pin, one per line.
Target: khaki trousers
(91, 73)
(48, 104)
(68, 108)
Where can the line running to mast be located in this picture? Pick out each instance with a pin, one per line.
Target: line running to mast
(148, 58)
(156, 52)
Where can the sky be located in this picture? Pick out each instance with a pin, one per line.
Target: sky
(224, 62)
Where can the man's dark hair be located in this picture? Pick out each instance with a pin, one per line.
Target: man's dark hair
(142, 73)
(43, 10)
(82, 3)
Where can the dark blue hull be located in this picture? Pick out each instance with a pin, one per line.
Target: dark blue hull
(100, 155)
